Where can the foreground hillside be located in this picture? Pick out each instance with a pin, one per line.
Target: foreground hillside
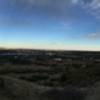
(49, 75)
(16, 89)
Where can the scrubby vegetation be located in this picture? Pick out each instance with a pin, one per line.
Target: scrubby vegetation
(51, 69)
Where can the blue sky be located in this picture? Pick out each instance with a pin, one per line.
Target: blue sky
(50, 24)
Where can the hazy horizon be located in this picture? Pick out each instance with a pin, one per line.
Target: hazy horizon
(50, 24)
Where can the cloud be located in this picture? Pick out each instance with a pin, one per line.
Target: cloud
(93, 36)
(74, 1)
(59, 4)
(95, 4)
(62, 10)
(59, 8)
(55, 7)
(92, 7)
(17, 12)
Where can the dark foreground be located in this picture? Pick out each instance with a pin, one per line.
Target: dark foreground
(49, 75)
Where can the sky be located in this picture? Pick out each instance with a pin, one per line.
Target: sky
(50, 24)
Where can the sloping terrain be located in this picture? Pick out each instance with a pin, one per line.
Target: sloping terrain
(46, 75)
(16, 89)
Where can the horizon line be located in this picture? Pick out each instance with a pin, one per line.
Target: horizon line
(48, 49)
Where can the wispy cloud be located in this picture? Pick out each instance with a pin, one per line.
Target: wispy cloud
(56, 7)
(61, 9)
(92, 7)
(52, 7)
(92, 36)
